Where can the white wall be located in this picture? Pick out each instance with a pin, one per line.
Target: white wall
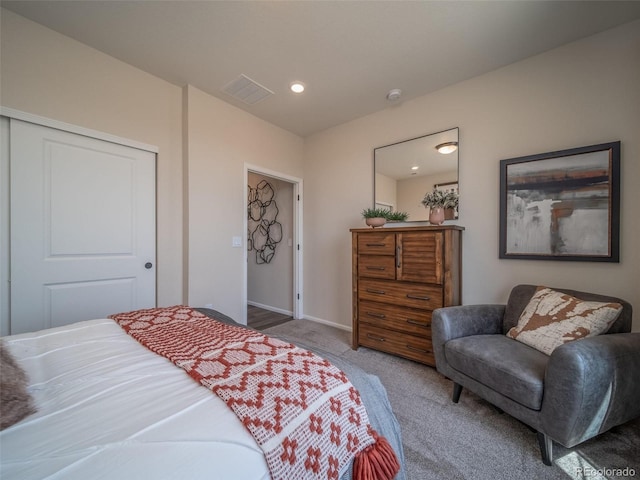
(221, 140)
(50, 75)
(270, 285)
(583, 93)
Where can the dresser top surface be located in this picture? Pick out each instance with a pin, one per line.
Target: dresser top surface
(420, 228)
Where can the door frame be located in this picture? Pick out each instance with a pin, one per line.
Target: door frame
(297, 237)
(5, 247)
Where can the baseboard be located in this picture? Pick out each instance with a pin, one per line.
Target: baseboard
(327, 322)
(305, 317)
(270, 308)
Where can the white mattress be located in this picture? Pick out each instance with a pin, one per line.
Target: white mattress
(109, 408)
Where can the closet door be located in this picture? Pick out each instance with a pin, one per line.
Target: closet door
(82, 227)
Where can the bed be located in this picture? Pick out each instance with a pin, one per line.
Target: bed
(108, 407)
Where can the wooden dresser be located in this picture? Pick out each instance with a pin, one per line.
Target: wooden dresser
(400, 275)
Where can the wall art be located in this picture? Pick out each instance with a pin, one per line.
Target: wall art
(562, 205)
(264, 231)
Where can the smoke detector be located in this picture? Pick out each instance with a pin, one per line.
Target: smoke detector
(394, 94)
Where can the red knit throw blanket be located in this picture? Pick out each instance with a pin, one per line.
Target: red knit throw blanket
(303, 412)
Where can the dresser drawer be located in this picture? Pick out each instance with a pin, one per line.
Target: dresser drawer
(378, 243)
(410, 320)
(403, 344)
(408, 294)
(377, 266)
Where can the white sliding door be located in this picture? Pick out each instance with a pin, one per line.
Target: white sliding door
(82, 227)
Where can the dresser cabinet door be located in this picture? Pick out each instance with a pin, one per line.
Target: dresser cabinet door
(420, 257)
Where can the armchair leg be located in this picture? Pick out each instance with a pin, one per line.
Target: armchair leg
(546, 448)
(457, 390)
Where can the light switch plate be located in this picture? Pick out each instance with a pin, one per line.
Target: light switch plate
(236, 241)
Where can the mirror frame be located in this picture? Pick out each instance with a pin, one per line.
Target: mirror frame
(432, 139)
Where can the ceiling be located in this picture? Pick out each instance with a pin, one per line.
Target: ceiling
(348, 53)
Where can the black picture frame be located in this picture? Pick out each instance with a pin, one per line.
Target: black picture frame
(562, 205)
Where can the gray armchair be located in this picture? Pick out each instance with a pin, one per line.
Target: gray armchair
(582, 389)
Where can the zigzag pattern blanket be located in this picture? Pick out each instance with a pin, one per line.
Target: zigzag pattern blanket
(303, 412)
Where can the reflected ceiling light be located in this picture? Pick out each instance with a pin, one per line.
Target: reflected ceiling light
(416, 167)
(447, 147)
(297, 87)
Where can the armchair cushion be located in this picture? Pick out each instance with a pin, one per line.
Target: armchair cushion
(553, 318)
(502, 364)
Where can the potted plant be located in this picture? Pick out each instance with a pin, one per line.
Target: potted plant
(437, 201)
(396, 216)
(375, 217)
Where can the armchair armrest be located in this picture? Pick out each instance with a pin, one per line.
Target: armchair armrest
(462, 321)
(591, 385)
(465, 320)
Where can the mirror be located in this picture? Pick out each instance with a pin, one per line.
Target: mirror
(407, 170)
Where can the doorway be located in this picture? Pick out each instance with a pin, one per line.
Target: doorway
(273, 239)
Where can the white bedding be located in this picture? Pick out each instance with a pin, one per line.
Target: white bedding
(109, 408)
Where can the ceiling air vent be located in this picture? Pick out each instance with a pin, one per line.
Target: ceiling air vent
(246, 90)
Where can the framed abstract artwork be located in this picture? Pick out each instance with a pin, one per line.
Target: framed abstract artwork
(562, 205)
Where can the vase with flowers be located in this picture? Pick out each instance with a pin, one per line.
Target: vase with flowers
(438, 201)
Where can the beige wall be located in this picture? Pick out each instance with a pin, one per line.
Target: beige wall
(581, 94)
(386, 191)
(53, 76)
(50, 75)
(221, 140)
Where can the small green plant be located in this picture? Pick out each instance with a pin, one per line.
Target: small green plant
(375, 213)
(396, 216)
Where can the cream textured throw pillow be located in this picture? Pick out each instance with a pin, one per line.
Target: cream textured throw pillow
(554, 318)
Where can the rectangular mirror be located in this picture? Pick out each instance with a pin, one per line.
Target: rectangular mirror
(407, 170)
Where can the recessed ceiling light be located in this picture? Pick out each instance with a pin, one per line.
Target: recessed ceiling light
(415, 167)
(297, 87)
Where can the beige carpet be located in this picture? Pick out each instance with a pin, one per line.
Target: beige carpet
(471, 439)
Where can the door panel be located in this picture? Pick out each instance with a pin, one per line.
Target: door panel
(82, 227)
(421, 257)
(104, 294)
